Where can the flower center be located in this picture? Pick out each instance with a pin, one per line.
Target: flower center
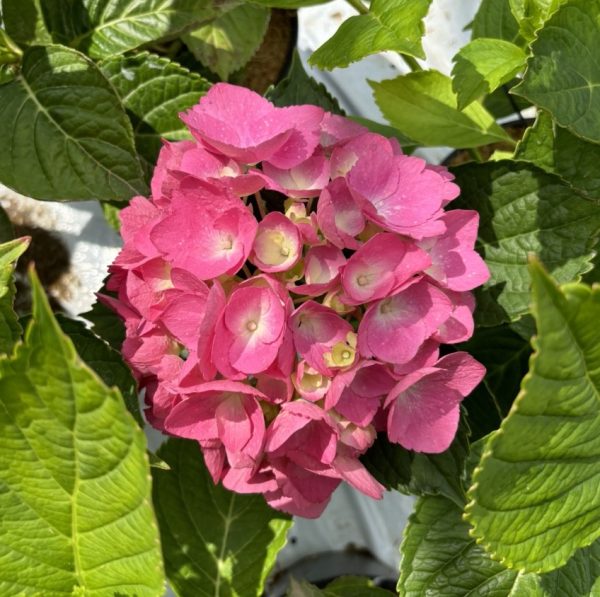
(362, 280)
(251, 326)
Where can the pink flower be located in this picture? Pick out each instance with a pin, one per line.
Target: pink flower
(339, 215)
(382, 265)
(393, 329)
(307, 179)
(225, 411)
(424, 407)
(250, 331)
(240, 124)
(322, 266)
(278, 245)
(207, 232)
(454, 262)
(322, 338)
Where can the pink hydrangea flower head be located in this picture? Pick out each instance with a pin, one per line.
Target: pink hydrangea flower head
(286, 291)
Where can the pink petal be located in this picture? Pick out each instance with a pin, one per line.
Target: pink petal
(277, 245)
(394, 329)
(354, 472)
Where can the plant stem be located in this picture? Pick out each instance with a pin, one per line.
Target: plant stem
(260, 203)
(359, 6)
(475, 154)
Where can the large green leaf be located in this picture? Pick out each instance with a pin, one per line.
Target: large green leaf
(423, 106)
(225, 44)
(106, 324)
(495, 19)
(102, 28)
(105, 361)
(563, 75)
(63, 132)
(421, 474)
(534, 498)
(439, 557)
(216, 543)
(288, 4)
(298, 88)
(24, 21)
(556, 150)
(154, 91)
(524, 210)
(395, 25)
(482, 66)
(75, 489)
(10, 330)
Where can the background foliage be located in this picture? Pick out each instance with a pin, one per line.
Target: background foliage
(88, 88)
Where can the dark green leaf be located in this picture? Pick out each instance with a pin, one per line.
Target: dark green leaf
(534, 498)
(395, 25)
(387, 131)
(105, 361)
(10, 330)
(6, 229)
(298, 88)
(75, 499)
(556, 150)
(288, 4)
(410, 472)
(484, 65)
(563, 74)
(346, 586)
(226, 43)
(24, 22)
(106, 324)
(532, 14)
(103, 28)
(495, 19)
(423, 107)
(525, 211)
(215, 542)
(154, 91)
(63, 132)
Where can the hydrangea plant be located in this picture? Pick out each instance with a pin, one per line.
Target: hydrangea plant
(301, 301)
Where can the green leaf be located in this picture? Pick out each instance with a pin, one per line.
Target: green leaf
(423, 106)
(495, 19)
(416, 473)
(346, 586)
(76, 515)
(395, 25)
(105, 361)
(298, 88)
(525, 211)
(216, 543)
(501, 103)
(106, 323)
(482, 66)
(10, 330)
(226, 43)
(63, 132)
(387, 131)
(24, 22)
(532, 14)
(534, 497)
(154, 91)
(439, 557)
(103, 28)
(556, 150)
(6, 228)
(562, 75)
(505, 355)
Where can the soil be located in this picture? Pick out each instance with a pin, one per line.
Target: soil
(272, 59)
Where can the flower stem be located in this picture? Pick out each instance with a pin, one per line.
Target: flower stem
(262, 207)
